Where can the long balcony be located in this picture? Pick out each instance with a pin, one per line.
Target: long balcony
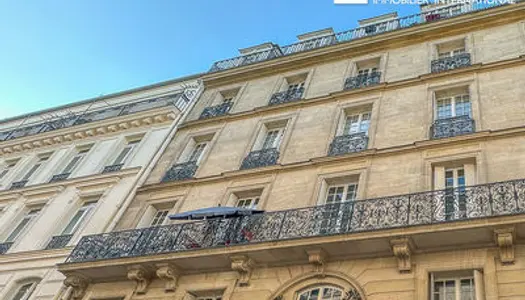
(59, 241)
(216, 111)
(401, 211)
(4, 247)
(450, 63)
(181, 171)
(260, 158)
(350, 143)
(449, 127)
(355, 34)
(286, 96)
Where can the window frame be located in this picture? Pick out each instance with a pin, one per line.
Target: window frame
(454, 99)
(253, 202)
(345, 193)
(347, 130)
(86, 210)
(28, 293)
(154, 222)
(129, 148)
(457, 285)
(321, 288)
(29, 215)
(76, 160)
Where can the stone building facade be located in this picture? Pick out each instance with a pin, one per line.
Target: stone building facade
(70, 171)
(388, 160)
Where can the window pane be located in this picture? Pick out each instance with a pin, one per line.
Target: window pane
(31, 171)
(463, 107)
(197, 152)
(14, 234)
(120, 158)
(272, 138)
(444, 108)
(73, 163)
(351, 192)
(24, 292)
(71, 226)
(159, 217)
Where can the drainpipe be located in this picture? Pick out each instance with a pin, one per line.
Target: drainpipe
(144, 172)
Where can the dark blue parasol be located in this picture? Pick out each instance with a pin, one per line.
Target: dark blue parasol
(215, 212)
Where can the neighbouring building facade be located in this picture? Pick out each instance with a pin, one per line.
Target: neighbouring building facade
(70, 171)
(389, 160)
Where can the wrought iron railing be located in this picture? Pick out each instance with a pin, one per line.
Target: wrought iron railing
(216, 110)
(59, 241)
(450, 205)
(286, 96)
(362, 81)
(260, 158)
(181, 171)
(348, 144)
(59, 177)
(4, 247)
(358, 33)
(449, 127)
(112, 168)
(18, 185)
(178, 100)
(450, 63)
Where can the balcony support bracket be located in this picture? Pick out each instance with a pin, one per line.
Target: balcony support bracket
(402, 249)
(76, 287)
(505, 240)
(170, 274)
(244, 266)
(141, 276)
(317, 257)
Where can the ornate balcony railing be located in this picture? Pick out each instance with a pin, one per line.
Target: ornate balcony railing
(443, 128)
(400, 211)
(18, 185)
(348, 144)
(362, 81)
(59, 177)
(357, 33)
(59, 241)
(4, 247)
(112, 168)
(260, 158)
(216, 110)
(179, 100)
(181, 171)
(450, 63)
(286, 96)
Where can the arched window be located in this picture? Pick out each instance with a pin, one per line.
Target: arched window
(25, 289)
(321, 293)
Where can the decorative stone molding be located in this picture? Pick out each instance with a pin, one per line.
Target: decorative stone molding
(402, 251)
(141, 276)
(317, 257)
(170, 274)
(77, 286)
(244, 266)
(505, 240)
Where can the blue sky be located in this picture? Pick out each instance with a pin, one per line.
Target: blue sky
(57, 52)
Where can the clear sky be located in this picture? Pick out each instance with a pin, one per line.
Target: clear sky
(56, 52)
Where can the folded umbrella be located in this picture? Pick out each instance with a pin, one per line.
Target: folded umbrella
(215, 212)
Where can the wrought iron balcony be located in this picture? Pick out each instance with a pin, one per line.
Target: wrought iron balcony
(356, 33)
(450, 63)
(443, 128)
(59, 241)
(59, 177)
(400, 211)
(112, 168)
(181, 171)
(215, 111)
(286, 96)
(362, 81)
(348, 144)
(4, 247)
(260, 158)
(18, 185)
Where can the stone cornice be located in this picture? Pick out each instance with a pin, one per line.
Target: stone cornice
(337, 95)
(358, 156)
(59, 255)
(55, 187)
(66, 135)
(394, 39)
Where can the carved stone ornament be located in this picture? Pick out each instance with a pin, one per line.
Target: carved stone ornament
(244, 266)
(402, 251)
(317, 257)
(170, 274)
(77, 286)
(141, 276)
(505, 241)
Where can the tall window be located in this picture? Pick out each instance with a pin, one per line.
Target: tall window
(23, 224)
(197, 151)
(272, 138)
(126, 152)
(451, 52)
(364, 72)
(356, 123)
(248, 202)
(79, 217)
(453, 288)
(294, 87)
(75, 161)
(341, 193)
(24, 291)
(321, 293)
(455, 106)
(7, 167)
(159, 217)
(455, 196)
(41, 161)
